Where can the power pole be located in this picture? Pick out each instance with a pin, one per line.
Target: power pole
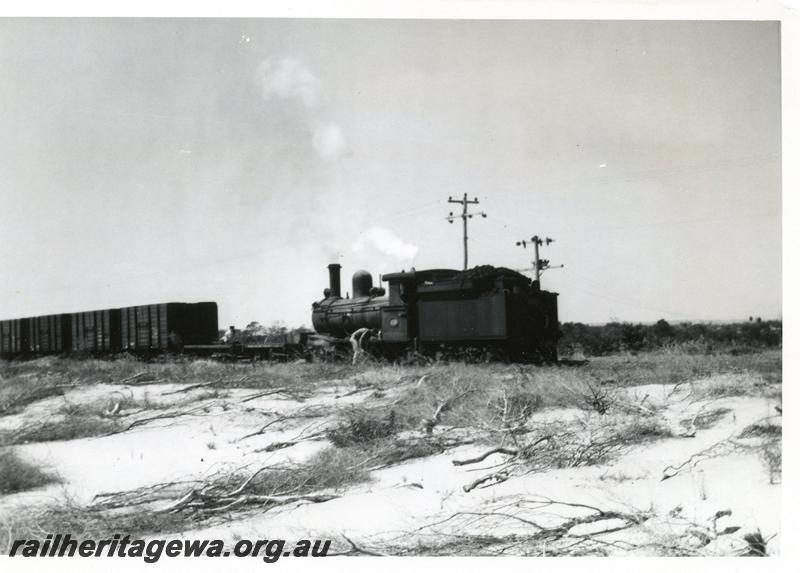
(464, 216)
(539, 265)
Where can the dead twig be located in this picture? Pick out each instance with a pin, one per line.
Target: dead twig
(359, 390)
(264, 428)
(275, 446)
(480, 458)
(715, 450)
(144, 421)
(559, 538)
(263, 394)
(494, 478)
(195, 499)
(130, 379)
(356, 549)
(193, 387)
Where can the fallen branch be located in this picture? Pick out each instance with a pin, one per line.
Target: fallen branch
(428, 424)
(553, 536)
(264, 428)
(193, 387)
(144, 421)
(359, 390)
(356, 549)
(132, 378)
(495, 478)
(262, 394)
(718, 449)
(139, 496)
(500, 450)
(195, 499)
(288, 444)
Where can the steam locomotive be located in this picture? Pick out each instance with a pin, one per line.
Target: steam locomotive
(493, 312)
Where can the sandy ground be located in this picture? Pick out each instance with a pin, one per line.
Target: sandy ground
(398, 506)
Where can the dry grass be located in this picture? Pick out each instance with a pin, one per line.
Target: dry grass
(765, 429)
(705, 419)
(362, 427)
(477, 395)
(769, 436)
(725, 385)
(81, 522)
(672, 367)
(495, 403)
(331, 469)
(63, 429)
(592, 441)
(771, 456)
(663, 367)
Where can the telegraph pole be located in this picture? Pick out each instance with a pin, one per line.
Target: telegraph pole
(464, 216)
(539, 265)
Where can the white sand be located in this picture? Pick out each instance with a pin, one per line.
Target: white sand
(402, 499)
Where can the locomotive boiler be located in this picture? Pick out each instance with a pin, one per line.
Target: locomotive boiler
(489, 310)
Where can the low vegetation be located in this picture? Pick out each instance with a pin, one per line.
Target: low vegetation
(520, 419)
(696, 338)
(173, 507)
(17, 474)
(61, 430)
(362, 428)
(769, 437)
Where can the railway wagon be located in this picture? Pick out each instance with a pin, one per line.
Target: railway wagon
(50, 334)
(95, 331)
(13, 336)
(170, 326)
(137, 329)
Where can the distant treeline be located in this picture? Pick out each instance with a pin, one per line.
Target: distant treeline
(698, 336)
(595, 340)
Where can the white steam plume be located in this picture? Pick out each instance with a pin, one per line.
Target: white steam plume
(378, 241)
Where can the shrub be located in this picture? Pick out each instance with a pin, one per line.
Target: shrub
(770, 454)
(519, 406)
(18, 475)
(738, 338)
(362, 428)
(68, 428)
(762, 430)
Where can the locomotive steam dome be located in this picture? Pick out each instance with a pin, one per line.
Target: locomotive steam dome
(362, 283)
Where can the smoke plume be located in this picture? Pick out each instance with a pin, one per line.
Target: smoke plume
(378, 242)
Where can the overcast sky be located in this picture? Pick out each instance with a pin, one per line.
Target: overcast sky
(147, 161)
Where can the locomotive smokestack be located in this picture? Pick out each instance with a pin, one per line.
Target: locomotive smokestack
(335, 280)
